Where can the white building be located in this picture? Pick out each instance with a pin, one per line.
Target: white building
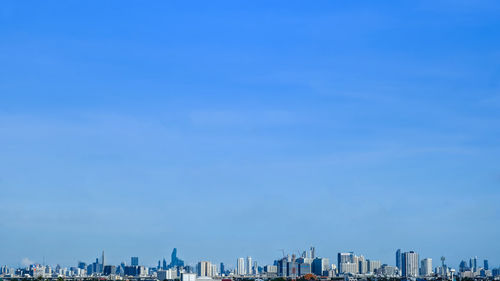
(249, 266)
(426, 267)
(410, 264)
(188, 277)
(240, 267)
(204, 268)
(373, 265)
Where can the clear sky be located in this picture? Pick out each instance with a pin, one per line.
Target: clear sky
(235, 128)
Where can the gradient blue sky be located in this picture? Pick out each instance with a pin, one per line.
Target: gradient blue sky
(238, 128)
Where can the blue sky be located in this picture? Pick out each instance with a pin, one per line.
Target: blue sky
(233, 128)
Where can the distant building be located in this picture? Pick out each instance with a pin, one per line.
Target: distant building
(373, 265)
(486, 265)
(169, 274)
(134, 261)
(109, 270)
(473, 264)
(387, 270)
(399, 259)
(240, 267)
(249, 270)
(410, 264)
(320, 266)
(188, 277)
(272, 269)
(463, 266)
(175, 261)
(131, 270)
(222, 269)
(426, 267)
(304, 268)
(204, 269)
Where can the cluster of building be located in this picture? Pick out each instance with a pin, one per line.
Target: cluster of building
(408, 265)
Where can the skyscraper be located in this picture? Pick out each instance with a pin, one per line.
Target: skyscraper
(240, 266)
(134, 261)
(248, 266)
(410, 264)
(426, 267)
(222, 269)
(398, 259)
(344, 258)
(175, 261)
(103, 261)
(205, 269)
(486, 265)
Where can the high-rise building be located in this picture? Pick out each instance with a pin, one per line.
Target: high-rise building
(362, 265)
(373, 265)
(410, 264)
(81, 265)
(175, 261)
(399, 259)
(222, 269)
(426, 267)
(109, 270)
(240, 267)
(103, 262)
(204, 269)
(473, 264)
(134, 261)
(344, 258)
(320, 266)
(248, 266)
(486, 265)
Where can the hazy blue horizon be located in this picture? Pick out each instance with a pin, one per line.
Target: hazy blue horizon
(232, 129)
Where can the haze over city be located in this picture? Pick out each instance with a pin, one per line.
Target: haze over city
(229, 129)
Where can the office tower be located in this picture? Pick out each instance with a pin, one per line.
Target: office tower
(204, 269)
(249, 266)
(473, 264)
(240, 266)
(398, 259)
(175, 261)
(255, 268)
(109, 270)
(222, 269)
(410, 264)
(463, 266)
(304, 268)
(164, 264)
(320, 266)
(282, 265)
(134, 261)
(313, 252)
(426, 267)
(344, 258)
(81, 265)
(486, 265)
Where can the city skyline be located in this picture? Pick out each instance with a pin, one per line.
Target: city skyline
(230, 129)
(334, 259)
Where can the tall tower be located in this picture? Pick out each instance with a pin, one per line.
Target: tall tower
(103, 261)
(249, 270)
(398, 260)
(240, 269)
